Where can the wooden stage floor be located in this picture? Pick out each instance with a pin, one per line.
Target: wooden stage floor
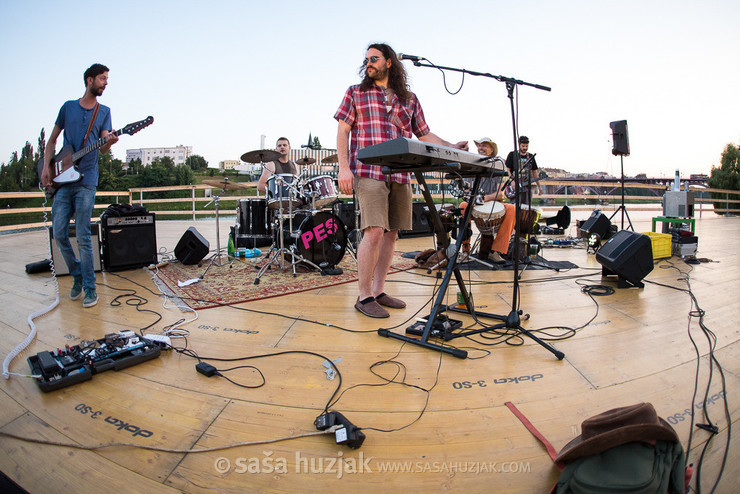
(440, 426)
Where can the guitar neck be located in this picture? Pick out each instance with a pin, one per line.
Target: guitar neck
(92, 147)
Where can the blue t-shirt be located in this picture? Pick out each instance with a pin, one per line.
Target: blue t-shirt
(74, 119)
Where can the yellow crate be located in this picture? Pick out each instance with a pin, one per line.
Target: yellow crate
(661, 244)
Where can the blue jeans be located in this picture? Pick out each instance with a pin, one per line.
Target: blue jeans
(75, 201)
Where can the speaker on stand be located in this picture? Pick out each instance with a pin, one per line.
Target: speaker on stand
(621, 148)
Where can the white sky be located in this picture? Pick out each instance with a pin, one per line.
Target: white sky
(217, 75)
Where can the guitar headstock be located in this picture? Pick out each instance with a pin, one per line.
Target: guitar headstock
(133, 128)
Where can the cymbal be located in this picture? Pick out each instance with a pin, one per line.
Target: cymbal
(332, 158)
(226, 184)
(305, 161)
(260, 156)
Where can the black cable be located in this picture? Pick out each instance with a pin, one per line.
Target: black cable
(712, 342)
(255, 311)
(132, 299)
(193, 354)
(220, 372)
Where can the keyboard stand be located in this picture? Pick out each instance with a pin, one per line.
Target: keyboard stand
(436, 317)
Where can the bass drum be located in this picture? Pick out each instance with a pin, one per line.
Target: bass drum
(320, 238)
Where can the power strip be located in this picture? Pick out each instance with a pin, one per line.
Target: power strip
(158, 338)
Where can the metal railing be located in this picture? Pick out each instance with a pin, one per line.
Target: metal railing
(31, 212)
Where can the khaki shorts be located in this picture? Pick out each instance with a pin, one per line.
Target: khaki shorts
(384, 204)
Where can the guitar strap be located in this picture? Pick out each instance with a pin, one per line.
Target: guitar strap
(89, 126)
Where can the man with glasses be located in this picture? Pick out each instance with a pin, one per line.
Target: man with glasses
(378, 109)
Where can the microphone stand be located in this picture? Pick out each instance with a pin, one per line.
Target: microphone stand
(513, 320)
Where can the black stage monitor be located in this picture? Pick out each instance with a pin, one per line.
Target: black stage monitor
(628, 255)
(599, 224)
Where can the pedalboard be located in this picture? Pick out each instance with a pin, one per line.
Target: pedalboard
(441, 326)
(75, 364)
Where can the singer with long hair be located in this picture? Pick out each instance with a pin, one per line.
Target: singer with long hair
(378, 109)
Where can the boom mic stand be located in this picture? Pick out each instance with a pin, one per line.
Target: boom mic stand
(513, 320)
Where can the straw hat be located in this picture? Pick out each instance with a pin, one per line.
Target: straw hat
(489, 141)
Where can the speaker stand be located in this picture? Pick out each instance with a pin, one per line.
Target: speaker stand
(621, 206)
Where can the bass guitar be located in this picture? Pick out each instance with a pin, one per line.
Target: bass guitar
(63, 166)
(510, 187)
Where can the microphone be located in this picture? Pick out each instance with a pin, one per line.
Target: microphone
(413, 58)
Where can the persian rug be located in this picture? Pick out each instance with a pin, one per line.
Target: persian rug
(233, 284)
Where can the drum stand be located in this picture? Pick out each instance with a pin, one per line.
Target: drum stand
(277, 255)
(217, 254)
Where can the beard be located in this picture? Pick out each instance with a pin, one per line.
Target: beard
(376, 74)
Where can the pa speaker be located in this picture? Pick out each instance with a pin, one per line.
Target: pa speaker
(129, 242)
(60, 266)
(421, 225)
(629, 256)
(621, 139)
(599, 224)
(192, 247)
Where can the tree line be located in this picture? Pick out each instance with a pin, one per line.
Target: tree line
(20, 173)
(726, 176)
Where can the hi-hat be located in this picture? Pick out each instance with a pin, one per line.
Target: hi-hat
(332, 158)
(305, 161)
(226, 184)
(260, 156)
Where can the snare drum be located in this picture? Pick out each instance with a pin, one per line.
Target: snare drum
(319, 191)
(488, 217)
(282, 192)
(528, 218)
(319, 237)
(253, 223)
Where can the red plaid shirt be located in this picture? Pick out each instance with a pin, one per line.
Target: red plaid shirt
(372, 123)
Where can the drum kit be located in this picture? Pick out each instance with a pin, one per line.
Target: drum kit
(291, 219)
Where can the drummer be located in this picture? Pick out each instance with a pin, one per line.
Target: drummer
(280, 166)
(492, 189)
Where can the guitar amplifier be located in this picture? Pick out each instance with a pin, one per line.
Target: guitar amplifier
(129, 241)
(60, 266)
